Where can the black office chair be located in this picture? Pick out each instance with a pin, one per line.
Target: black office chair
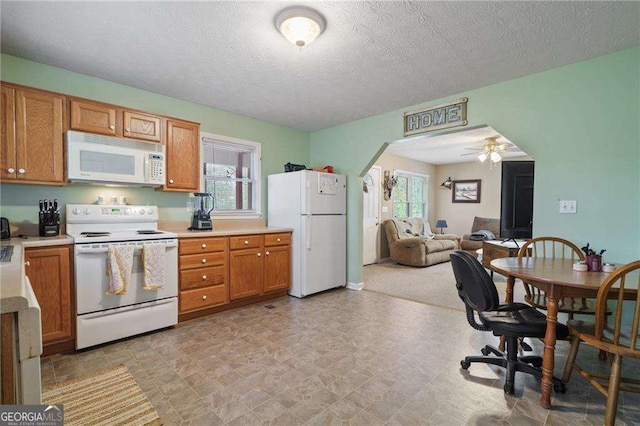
(512, 320)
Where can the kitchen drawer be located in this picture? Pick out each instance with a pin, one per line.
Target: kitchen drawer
(248, 241)
(277, 239)
(191, 261)
(202, 245)
(202, 277)
(192, 300)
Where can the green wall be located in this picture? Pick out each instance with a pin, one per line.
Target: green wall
(19, 202)
(581, 124)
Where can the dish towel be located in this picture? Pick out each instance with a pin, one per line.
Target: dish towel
(119, 264)
(153, 261)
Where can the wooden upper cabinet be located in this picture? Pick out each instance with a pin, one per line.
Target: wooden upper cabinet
(182, 156)
(142, 126)
(49, 271)
(93, 117)
(39, 136)
(8, 134)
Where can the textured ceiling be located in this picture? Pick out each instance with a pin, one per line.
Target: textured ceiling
(374, 57)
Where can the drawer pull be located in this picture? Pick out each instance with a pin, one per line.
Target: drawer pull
(246, 242)
(278, 239)
(22, 171)
(204, 297)
(267, 253)
(27, 263)
(11, 170)
(112, 127)
(204, 245)
(170, 180)
(259, 254)
(204, 277)
(204, 261)
(127, 130)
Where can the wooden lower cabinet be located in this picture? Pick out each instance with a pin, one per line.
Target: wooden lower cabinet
(49, 271)
(225, 272)
(203, 273)
(246, 273)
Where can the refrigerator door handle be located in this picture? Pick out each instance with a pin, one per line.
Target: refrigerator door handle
(308, 197)
(308, 218)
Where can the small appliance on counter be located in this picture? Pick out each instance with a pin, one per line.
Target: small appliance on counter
(6, 230)
(49, 218)
(200, 206)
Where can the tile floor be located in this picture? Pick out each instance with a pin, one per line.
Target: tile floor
(342, 357)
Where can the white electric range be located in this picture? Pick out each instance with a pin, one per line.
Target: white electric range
(103, 318)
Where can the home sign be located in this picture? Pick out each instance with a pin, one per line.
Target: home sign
(436, 117)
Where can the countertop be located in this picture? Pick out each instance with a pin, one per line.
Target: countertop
(222, 229)
(16, 293)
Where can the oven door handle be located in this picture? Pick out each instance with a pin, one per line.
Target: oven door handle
(103, 248)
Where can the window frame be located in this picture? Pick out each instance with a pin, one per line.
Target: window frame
(257, 172)
(425, 192)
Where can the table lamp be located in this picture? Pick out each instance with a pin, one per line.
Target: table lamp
(441, 224)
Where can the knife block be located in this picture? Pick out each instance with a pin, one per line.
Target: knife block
(49, 225)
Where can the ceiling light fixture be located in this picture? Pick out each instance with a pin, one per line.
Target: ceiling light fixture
(300, 25)
(491, 150)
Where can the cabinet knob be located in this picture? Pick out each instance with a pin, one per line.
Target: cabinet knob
(10, 170)
(112, 127)
(204, 245)
(204, 260)
(204, 297)
(127, 130)
(21, 171)
(27, 263)
(259, 254)
(204, 277)
(246, 242)
(170, 180)
(267, 253)
(278, 239)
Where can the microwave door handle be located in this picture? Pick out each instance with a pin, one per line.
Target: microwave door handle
(145, 168)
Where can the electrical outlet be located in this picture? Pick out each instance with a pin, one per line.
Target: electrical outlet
(568, 206)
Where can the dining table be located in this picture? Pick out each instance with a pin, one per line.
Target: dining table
(557, 279)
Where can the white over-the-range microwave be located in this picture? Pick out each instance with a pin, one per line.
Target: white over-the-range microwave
(110, 160)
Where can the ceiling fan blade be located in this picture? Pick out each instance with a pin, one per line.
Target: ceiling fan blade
(470, 153)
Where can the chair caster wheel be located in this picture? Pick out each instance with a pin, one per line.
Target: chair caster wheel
(465, 365)
(485, 351)
(560, 388)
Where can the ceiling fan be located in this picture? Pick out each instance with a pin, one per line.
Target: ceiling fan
(492, 149)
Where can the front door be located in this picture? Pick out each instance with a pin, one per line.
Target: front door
(371, 216)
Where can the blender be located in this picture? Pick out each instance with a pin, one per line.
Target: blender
(201, 205)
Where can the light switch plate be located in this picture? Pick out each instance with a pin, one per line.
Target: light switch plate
(385, 209)
(568, 206)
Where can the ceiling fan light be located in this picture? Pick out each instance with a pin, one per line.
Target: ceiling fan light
(482, 156)
(495, 157)
(300, 25)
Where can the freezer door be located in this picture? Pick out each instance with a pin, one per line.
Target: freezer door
(324, 193)
(323, 253)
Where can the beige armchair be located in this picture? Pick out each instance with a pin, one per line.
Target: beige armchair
(412, 243)
(479, 224)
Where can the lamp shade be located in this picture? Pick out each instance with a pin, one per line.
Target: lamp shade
(441, 224)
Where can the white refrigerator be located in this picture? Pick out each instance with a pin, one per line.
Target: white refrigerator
(314, 204)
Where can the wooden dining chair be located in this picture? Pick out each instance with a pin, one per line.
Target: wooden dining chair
(556, 248)
(610, 334)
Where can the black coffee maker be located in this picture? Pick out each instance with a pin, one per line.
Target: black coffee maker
(201, 205)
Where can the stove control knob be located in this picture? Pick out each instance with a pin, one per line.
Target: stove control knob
(87, 211)
(76, 211)
(150, 211)
(141, 211)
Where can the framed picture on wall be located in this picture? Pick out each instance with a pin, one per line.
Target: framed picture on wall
(466, 191)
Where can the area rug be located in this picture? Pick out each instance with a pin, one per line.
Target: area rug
(434, 285)
(108, 397)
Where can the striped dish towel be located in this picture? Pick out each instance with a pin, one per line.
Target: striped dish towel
(119, 264)
(153, 260)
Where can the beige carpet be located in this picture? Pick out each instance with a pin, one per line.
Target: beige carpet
(433, 285)
(108, 397)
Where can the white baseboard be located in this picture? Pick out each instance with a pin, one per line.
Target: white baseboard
(355, 286)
